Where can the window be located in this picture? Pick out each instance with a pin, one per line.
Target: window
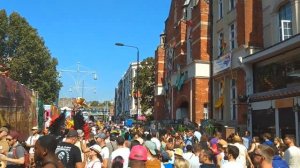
(278, 73)
(285, 21)
(221, 44)
(231, 4)
(220, 5)
(233, 98)
(232, 36)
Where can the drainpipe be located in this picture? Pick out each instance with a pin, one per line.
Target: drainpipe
(211, 59)
(191, 101)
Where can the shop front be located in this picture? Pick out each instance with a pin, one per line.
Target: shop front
(278, 117)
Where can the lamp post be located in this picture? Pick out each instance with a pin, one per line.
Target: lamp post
(137, 71)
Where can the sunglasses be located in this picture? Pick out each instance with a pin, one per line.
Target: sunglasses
(8, 139)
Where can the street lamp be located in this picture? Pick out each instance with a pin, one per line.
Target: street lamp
(137, 70)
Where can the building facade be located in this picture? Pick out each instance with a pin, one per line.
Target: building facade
(159, 110)
(125, 102)
(183, 62)
(236, 32)
(253, 47)
(273, 73)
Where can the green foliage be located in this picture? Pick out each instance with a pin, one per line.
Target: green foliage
(3, 36)
(181, 128)
(94, 104)
(29, 60)
(41, 114)
(146, 83)
(208, 126)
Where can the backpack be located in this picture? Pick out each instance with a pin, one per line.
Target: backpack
(26, 156)
(193, 140)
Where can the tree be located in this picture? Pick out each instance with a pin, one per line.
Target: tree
(28, 58)
(94, 104)
(3, 36)
(146, 83)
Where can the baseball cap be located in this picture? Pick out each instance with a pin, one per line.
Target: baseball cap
(138, 152)
(34, 128)
(102, 136)
(80, 132)
(72, 133)
(165, 155)
(151, 146)
(96, 148)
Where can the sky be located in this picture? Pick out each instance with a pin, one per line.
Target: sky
(82, 34)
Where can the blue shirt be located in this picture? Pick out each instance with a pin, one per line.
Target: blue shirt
(268, 142)
(168, 165)
(279, 163)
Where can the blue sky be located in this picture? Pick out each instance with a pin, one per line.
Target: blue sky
(86, 31)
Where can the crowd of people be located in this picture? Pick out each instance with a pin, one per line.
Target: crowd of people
(117, 146)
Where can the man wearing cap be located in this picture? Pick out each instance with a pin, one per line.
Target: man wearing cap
(121, 151)
(81, 144)
(152, 160)
(104, 149)
(68, 153)
(138, 156)
(31, 142)
(15, 155)
(222, 147)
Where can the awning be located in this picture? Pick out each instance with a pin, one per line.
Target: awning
(276, 94)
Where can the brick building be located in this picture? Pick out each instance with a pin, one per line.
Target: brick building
(183, 63)
(236, 32)
(273, 73)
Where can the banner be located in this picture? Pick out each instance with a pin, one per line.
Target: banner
(222, 63)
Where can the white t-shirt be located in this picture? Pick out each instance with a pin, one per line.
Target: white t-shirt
(242, 154)
(232, 164)
(124, 153)
(198, 135)
(105, 152)
(223, 161)
(31, 141)
(94, 164)
(192, 159)
(292, 157)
